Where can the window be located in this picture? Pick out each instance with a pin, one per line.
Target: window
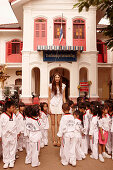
(14, 47)
(102, 55)
(40, 32)
(57, 26)
(79, 38)
(14, 51)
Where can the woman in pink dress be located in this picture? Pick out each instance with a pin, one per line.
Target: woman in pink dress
(55, 100)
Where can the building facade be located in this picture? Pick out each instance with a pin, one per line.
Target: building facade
(36, 51)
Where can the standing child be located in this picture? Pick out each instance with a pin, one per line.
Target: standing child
(45, 122)
(34, 127)
(66, 132)
(103, 133)
(9, 134)
(21, 126)
(109, 145)
(82, 108)
(93, 132)
(78, 135)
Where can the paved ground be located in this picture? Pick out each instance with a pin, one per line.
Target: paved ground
(50, 160)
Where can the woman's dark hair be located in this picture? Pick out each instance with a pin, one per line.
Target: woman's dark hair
(42, 105)
(54, 88)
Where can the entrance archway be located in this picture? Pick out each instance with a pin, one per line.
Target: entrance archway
(65, 78)
(35, 81)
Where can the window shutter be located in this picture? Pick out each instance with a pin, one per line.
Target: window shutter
(9, 48)
(105, 53)
(21, 47)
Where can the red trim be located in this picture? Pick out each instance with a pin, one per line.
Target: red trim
(10, 28)
(79, 42)
(21, 114)
(67, 114)
(95, 116)
(9, 116)
(79, 119)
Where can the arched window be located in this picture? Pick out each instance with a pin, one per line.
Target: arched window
(102, 49)
(40, 32)
(79, 35)
(57, 26)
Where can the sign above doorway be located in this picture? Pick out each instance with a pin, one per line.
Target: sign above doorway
(60, 53)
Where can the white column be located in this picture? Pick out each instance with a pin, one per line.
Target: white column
(74, 80)
(27, 31)
(44, 81)
(93, 76)
(69, 32)
(26, 92)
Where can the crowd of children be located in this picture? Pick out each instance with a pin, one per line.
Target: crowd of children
(26, 128)
(85, 127)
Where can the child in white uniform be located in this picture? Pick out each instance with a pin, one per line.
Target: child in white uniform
(109, 145)
(9, 134)
(66, 132)
(103, 133)
(78, 135)
(82, 107)
(45, 122)
(21, 126)
(33, 126)
(93, 132)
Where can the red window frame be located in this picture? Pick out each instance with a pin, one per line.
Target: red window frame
(57, 24)
(102, 48)
(13, 52)
(80, 39)
(40, 32)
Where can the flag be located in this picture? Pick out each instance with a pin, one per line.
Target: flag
(61, 32)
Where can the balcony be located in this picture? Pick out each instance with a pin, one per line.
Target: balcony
(14, 58)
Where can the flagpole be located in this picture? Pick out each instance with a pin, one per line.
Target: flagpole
(61, 28)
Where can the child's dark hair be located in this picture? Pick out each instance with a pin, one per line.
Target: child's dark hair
(87, 104)
(102, 107)
(28, 110)
(21, 104)
(81, 105)
(94, 110)
(42, 105)
(70, 102)
(8, 104)
(35, 110)
(65, 107)
(76, 113)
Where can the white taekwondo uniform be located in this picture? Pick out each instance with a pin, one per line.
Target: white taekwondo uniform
(85, 131)
(66, 132)
(78, 140)
(21, 126)
(33, 129)
(94, 133)
(9, 137)
(45, 126)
